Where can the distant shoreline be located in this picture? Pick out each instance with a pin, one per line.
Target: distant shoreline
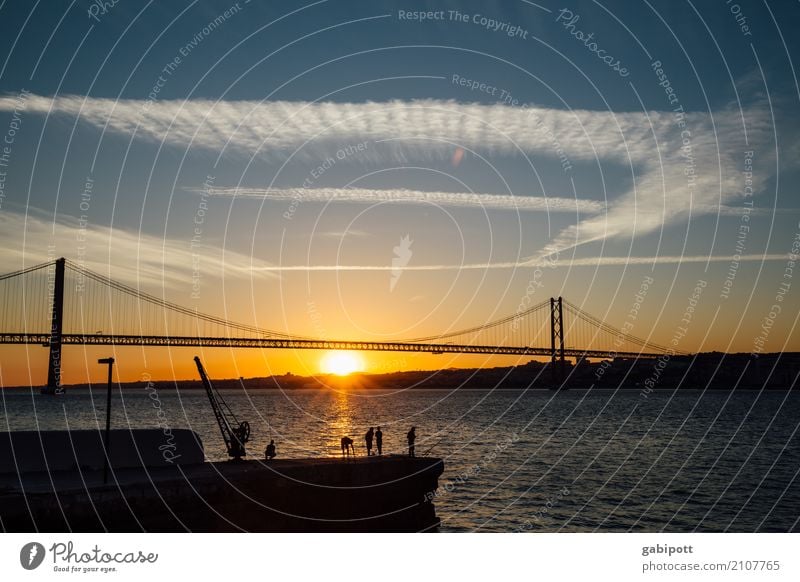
(712, 370)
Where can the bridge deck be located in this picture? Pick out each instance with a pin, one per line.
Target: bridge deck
(301, 344)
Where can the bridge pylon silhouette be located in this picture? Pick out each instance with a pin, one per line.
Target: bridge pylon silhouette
(62, 303)
(57, 321)
(557, 360)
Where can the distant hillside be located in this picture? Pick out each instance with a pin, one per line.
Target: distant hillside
(707, 370)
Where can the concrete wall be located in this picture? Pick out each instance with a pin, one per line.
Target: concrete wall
(35, 451)
(375, 494)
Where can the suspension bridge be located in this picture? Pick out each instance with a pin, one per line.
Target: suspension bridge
(62, 303)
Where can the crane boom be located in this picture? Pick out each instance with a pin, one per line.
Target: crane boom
(234, 433)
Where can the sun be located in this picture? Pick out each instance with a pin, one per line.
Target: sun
(341, 363)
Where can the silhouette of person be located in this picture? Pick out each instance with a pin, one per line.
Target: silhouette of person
(379, 440)
(270, 452)
(412, 437)
(368, 439)
(347, 446)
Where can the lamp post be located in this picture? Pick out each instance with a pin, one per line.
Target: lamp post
(107, 439)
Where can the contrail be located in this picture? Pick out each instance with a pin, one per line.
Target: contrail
(585, 262)
(402, 196)
(485, 201)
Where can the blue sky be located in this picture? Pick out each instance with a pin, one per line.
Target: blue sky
(313, 136)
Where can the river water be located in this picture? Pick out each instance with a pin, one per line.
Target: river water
(515, 460)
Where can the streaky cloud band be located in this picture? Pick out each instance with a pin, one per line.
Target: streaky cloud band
(534, 262)
(402, 196)
(453, 199)
(679, 160)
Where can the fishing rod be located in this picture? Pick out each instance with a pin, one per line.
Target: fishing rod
(425, 454)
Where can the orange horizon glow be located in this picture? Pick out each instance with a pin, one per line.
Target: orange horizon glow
(137, 364)
(341, 363)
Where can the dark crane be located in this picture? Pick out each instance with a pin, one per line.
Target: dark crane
(235, 433)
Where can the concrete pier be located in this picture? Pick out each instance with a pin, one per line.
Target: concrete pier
(31, 451)
(390, 493)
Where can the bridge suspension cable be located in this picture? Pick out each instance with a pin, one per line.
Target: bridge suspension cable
(516, 317)
(613, 338)
(175, 308)
(46, 265)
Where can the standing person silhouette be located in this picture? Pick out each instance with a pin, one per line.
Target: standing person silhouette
(412, 437)
(368, 439)
(379, 440)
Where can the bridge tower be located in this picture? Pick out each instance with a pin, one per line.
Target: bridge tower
(56, 325)
(557, 340)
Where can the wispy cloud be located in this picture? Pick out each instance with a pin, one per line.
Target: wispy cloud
(547, 204)
(402, 196)
(413, 128)
(130, 257)
(537, 262)
(679, 165)
(337, 234)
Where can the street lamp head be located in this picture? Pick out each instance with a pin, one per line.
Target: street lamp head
(105, 361)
